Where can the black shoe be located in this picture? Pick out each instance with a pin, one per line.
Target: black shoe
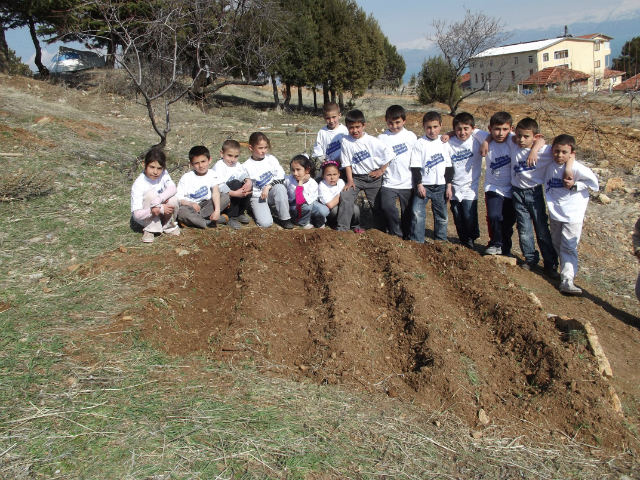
(244, 218)
(234, 223)
(528, 266)
(287, 224)
(470, 244)
(552, 272)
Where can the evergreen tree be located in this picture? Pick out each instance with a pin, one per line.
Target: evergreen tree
(434, 82)
(629, 57)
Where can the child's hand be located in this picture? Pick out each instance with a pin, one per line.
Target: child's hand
(215, 216)
(448, 193)
(444, 138)
(532, 159)
(484, 149)
(376, 173)
(349, 185)
(421, 192)
(194, 205)
(304, 179)
(265, 192)
(155, 211)
(568, 182)
(247, 187)
(168, 209)
(237, 193)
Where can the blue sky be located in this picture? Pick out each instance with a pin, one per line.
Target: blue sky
(407, 23)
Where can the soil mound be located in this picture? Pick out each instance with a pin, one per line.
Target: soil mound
(435, 325)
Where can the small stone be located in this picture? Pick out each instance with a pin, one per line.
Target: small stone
(122, 249)
(333, 355)
(392, 392)
(535, 300)
(304, 368)
(127, 318)
(47, 290)
(344, 373)
(477, 435)
(74, 267)
(182, 253)
(437, 423)
(615, 183)
(604, 199)
(482, 416)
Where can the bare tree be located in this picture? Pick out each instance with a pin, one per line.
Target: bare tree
(460, 41)
(173, 48)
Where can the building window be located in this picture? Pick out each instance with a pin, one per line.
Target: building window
(476, 78)
(491, 63)
(489, 77)
(545, 57)
(597, 46)
(597, 63)
(482, 76)
(560, 54)
(481, 64)
(530, 58)
(473, 65)
(513, 76)
(515, 61)
(598, 82)
(504, 61)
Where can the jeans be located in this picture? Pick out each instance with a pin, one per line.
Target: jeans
(398, 225)
(316, 212)
(531, 214)
(500, 220)
(465, 216)
(238, 205)
(435, 193)
(371, 187)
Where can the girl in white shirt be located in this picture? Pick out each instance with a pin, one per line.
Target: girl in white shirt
(329, 195)
(302, 192)
(154, 203)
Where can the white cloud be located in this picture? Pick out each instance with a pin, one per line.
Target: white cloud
(416, 44)
(47, 55)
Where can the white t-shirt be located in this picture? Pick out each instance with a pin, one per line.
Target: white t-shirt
(196, 188)
(225, 173)
(309, 189)
(432, 156)
(523, 176)
(326, 192)
(467, 165)
(143, 184)
(398, 173)
(567, 205)
(329, 142)
(263, 172)
(497, 178)
(365, 154)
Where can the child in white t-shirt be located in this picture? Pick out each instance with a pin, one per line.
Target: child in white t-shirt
(329, 191)
(234, 181)
(201, 203)
(154, 204)
(432, 174)
(365, 159)
(302, 190)
(396, 181)
(567, 201)
(328, 144)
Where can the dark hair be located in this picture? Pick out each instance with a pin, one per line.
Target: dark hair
(528, 123)
(395, 112)
(500, 118)
(565, 139)
(329, 163)
(330, 107)
(432, 116)
(155, 155)
(305, 162)
(257, 137)
(464, 118)
(230, 145)
(354, 116)
(198, 151)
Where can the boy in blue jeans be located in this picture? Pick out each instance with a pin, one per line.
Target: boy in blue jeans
(432, 173)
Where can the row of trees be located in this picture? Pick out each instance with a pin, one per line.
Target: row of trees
(629, 57)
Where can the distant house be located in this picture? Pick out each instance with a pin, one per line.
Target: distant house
(612, 78)
(465, 81)
(503, 68)
(554, 77)
(630, 85)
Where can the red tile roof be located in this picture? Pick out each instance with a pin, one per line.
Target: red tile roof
(632, 83)
(554, 76)
(593, 35)
(465, 80)
(608, 73)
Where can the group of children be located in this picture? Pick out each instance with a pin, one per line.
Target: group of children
(393, 167)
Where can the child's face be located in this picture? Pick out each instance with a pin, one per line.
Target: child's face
(260, 150)
(562, 153)
(332, 119)
(331, 175)
(524, 138)
(153, 170)
(395, 126)
(463, 131)
(230, 156)
(356, 129)
(298, 171)
(500, 132)
(201, 164)
(432, 129)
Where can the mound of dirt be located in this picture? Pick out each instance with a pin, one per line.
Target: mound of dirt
(435, 325)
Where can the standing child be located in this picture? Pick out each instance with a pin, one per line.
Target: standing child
(432, 174)
(329, 193)
(267, 177)
(396, 181)
(234, 181)
(329, 140)
(153, 201)
(303, 194)
(567, 203)
(464, 150)
(198, 193)
(364, 158)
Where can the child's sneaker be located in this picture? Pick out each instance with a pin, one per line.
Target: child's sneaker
(569, 288)
(244, 218)
(493, 250)
(148, 237)
(551, 272)
(224, 219)
(173, 231)
(358, 230)
(527, 266)
(308, 226)
(234, 223)
(287, 224)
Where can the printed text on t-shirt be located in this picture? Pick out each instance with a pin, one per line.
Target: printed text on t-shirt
(461, 156)
(554, 183)
(360, 156)
(333, 147)
(200, 193)
(522, 167)
(435, 160)
(499, 162)
(264, 180)
(400, 149)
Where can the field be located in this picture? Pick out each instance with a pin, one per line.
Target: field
(296, 354)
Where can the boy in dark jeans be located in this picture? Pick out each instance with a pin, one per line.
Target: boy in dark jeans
(235, 182)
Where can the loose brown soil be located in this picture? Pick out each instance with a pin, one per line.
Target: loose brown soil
(436, 325)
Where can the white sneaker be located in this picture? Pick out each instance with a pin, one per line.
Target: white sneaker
(148, 237)
(308, 226)
(493, 250)
(569, 288)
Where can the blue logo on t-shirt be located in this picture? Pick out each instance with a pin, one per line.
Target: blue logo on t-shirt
(435, 160)
(499, 162)
(522, 166)
(400, 149)
(333, 147)
(200, 193)
(360, 156)
(264, 180)
(462, 156)
(554, 183)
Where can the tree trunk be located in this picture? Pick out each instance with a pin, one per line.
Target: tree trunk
(341, 101)
(4, 52)
(315, 100)
(325, 92)
(287, 99)
(44, 71)
(274, 86)
(111, 52)
(333, 95)
(300, 106)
